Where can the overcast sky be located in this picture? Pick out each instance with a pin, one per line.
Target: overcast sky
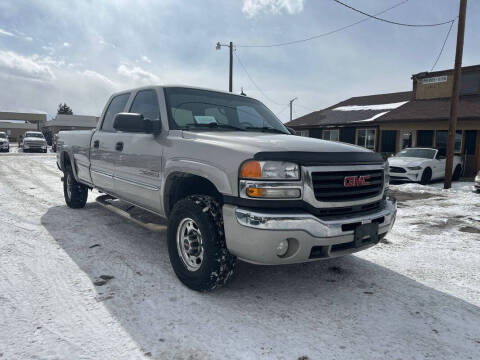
(79, 52)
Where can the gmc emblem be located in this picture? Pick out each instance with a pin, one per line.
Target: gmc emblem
(354, 181)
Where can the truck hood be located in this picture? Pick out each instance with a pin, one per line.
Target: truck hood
(406, 161)
(254, 142)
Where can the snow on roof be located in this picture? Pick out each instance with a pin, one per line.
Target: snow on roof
(373, 117)
(377, 107)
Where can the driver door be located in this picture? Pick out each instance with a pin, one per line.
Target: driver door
(138, 169)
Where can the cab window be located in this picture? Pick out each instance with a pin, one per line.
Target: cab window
(146, 103)
(116, 106)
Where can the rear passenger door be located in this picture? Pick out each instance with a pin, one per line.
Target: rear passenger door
(137, 174)
(103, 155)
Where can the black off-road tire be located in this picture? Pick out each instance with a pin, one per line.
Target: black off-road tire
(426, 176)
(457, 173)
(76, 198)
(218, 265)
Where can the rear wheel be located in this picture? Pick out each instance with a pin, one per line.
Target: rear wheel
(457, 173)
(75, 194)
(196, 244)
(426, 176)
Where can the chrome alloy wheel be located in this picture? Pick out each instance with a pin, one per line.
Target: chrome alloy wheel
(190, 244)
(69, 185)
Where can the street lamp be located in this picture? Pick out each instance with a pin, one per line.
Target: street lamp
(218, 47)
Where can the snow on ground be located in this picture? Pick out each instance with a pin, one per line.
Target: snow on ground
(414, 296)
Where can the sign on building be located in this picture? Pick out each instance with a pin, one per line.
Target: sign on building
(434, 80)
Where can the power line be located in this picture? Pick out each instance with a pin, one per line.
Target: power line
(391, 22)
(320, 35)
(443, 46)
(254, 83)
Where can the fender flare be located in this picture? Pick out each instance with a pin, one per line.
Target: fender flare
(63, 156)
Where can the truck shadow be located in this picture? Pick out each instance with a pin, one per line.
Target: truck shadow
(347, 307)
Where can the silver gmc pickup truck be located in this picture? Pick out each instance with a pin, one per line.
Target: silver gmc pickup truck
(232, 181)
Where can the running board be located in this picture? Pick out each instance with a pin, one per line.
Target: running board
(133, 213)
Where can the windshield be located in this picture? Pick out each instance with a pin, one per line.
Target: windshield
(3, 136)
(417, 153)
(195, 109)
(38, 135)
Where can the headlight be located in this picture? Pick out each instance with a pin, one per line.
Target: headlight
(414, 168)
(269, 170)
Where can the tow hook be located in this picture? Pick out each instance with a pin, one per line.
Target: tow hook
(62, 178)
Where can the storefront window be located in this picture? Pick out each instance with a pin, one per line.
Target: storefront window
(332, 135)
(366, 138)
(406, 139)
(441, 137)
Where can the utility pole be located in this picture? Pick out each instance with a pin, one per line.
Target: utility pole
(230, 79)
(452, 124)
(291, 108)
(230, 76)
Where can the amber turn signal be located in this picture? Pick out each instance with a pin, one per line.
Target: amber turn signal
(251, 170)
(254, 192)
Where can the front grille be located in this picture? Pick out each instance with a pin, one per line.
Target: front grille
(34, 144)
(348, 210)
(394, 169)
(329, 185)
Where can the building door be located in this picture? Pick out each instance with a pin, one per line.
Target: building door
(389, 141)
(469, 152)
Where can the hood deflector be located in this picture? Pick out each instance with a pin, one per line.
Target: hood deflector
(323, 158)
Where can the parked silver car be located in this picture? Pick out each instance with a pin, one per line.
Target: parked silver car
(230, 178)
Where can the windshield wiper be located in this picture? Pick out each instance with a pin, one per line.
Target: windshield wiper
(266, 129)
(214, 125)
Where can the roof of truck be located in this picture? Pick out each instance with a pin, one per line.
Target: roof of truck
(180, 86)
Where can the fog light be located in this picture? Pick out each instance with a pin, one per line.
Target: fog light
(282, 248)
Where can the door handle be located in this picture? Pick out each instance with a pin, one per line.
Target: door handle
(96, 144)
(119, 146)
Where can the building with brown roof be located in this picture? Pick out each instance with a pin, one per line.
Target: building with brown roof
(390, 122)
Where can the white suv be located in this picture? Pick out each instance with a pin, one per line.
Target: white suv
(4, 144)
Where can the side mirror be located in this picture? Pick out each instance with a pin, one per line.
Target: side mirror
(292, 131)
(132, 122)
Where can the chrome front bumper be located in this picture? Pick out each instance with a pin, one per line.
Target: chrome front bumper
(253, 236)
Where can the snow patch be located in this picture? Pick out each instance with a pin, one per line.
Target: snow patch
(390, 106)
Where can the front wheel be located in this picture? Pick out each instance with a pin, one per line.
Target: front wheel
(196, 244)
(426, 176)
(75, 194)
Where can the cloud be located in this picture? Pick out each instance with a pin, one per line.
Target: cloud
(146, 59)
(253, 7)
(6, 33)
(67, 44)
(33, 68)
(137, 76)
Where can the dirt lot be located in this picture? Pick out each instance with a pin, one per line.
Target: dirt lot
(88, 284)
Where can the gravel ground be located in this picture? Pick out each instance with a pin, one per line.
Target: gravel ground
(87, 284)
